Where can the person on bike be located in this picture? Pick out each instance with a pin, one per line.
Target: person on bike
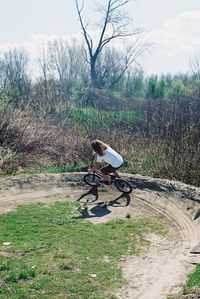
(105, 154)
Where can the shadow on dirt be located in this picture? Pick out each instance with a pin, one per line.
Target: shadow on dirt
(101, 208)
(197, 215)
(93, 192)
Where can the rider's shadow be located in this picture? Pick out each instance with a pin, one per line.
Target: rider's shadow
(95, 212)
(115, 202)
(101, 208)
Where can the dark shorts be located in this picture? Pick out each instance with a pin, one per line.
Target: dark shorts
(109, 169)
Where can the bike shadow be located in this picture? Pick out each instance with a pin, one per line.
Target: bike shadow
(92, 192)
(101, 209)
(95, 212)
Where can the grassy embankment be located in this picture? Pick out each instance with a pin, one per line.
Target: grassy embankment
(55, 254)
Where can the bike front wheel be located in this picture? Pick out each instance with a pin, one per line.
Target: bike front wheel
(92, 179)
(123, 186)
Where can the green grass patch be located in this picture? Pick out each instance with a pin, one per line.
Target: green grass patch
(94, 117)
(192, 285)
(76, 166)
(193, 281)
(56, 254)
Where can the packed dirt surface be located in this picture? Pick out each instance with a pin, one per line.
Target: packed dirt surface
(162, 268)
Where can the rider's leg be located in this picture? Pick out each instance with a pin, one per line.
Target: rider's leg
(105, 171)
(105, 177)
(116, 174)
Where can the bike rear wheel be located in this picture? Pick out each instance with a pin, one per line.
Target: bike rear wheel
(92, 179)
(123, 185)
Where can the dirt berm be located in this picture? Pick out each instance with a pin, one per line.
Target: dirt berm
(163, 267)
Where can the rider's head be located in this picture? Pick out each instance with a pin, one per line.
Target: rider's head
(98, 147)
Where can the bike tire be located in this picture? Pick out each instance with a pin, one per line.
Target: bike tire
(92, 179)
(123, 186)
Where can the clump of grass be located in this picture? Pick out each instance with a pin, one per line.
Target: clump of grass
(58, 255)
(193, 281)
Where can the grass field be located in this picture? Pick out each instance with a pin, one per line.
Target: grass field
(54, 253)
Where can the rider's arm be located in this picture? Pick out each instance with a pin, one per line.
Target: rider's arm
(95, 167)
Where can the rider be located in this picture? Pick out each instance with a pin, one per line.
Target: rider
(104, 153)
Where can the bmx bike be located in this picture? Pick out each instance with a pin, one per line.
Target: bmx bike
(95, 180)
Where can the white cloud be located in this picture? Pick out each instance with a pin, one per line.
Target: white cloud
(173, 44)
(178, 39)
(186, 22)
(179, 34)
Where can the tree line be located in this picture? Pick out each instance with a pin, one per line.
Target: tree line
(64, 79)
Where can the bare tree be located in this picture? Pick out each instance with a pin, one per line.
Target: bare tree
(17, 82)
(63, 70)
(115, 24)
(195, 66)
(2, 78)
(43, 80)
(64, 61)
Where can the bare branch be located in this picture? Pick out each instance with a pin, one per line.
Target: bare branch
(84, 27)
(114, 25)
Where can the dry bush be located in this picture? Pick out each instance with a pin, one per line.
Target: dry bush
(152, 156)
(157, 158)
(24, 131)
(100, 99)
(33, 140)
(164, 143)
(7, 159)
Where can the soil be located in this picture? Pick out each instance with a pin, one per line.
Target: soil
(161, 269)
(196, 295)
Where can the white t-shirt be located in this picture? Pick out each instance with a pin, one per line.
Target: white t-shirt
(111, 157)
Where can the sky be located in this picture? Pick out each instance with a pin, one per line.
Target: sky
(172, 27)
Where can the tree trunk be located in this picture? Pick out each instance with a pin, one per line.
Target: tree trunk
(93, 73)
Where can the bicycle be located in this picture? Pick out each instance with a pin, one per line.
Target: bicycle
(95, 180)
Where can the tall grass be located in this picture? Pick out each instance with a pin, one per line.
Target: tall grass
(159, 138)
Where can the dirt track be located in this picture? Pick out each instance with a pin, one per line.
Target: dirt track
(155, 273)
